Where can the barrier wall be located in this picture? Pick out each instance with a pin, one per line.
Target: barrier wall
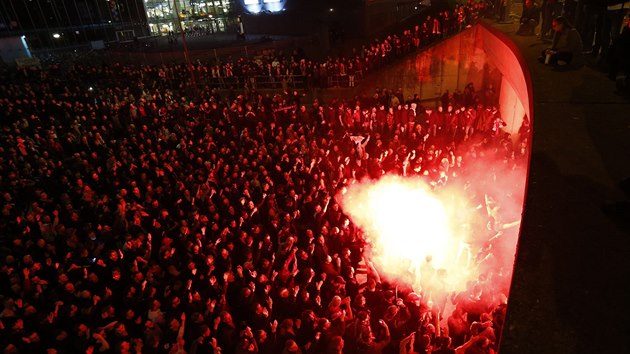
(515, 97)
(479, 55)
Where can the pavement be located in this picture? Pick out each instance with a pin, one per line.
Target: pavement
(571, 285)
(211, 47)
(217, 41)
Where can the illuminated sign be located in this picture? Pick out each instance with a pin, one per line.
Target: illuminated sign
(257, 6)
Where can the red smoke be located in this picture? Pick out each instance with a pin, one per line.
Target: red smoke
(435, 238)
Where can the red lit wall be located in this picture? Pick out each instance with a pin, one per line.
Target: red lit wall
(515, 94)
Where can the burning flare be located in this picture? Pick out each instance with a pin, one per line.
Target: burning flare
(416, 235)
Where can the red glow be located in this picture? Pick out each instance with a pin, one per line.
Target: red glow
(406, 222)
(441, 239)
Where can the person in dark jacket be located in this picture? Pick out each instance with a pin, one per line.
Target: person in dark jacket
(619, 59)
(566, 48)
(529, 19)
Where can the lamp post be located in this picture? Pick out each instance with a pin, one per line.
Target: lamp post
(186, 53)
(241, 32)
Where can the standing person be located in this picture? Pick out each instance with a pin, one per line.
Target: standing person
(503, 11)
(551, 10)
(443, 346)
(529, 18)
(587, 20)
(335, 346)
(373, 343)
(619, 59)
(612, 22)
(569, 9)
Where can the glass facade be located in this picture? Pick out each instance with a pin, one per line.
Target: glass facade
(72, 23)
(203, 16)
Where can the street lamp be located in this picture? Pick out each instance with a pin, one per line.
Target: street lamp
(186, 54)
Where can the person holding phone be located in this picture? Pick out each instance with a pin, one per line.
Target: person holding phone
(370, 342)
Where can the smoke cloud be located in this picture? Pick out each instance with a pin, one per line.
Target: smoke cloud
(438, 237)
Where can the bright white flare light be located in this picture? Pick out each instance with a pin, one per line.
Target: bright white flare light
(411, 222)
(405, 222)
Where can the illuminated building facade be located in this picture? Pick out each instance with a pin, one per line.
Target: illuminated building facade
(268, 6)
(208, 16)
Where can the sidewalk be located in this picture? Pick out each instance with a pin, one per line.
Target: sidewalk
(570, 287)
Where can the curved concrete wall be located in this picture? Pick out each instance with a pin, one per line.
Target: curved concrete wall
(516, 99)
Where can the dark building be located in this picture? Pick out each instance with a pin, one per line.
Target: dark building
(67, 23)
(349, 17)
(73, 23)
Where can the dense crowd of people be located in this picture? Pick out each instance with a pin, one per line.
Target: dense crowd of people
(287, 70)
(139, 218)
